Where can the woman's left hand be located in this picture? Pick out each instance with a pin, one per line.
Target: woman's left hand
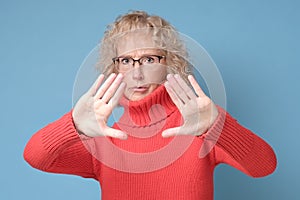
(198, 110)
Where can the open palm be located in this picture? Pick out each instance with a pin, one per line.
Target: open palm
(198, 110)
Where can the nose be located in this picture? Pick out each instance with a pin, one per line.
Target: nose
(137, 73)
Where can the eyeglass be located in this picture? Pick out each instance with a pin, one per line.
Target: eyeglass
(125, 63)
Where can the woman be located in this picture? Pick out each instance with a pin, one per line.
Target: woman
(169, 138)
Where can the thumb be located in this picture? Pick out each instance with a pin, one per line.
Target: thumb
(116, 134)
(171, 132)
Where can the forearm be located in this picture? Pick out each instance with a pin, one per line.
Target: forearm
(240, 147)
(58, 148)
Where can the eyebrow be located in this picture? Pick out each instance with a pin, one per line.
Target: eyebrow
(155, 52)
(145, 55)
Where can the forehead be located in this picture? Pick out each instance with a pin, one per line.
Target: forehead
(136, 44)
(141, 52)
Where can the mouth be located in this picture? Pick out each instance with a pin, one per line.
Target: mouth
(140, 88)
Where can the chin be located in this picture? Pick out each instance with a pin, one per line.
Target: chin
(137, 97)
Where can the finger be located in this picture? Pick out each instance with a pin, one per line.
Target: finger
(96, 85)
(171, 132)
(111, 132)
(118, 94)
(182, 130)
(112, 88)
(177, 88)
(178, 102)
(188, 91)
(105, 86)
(196, 86)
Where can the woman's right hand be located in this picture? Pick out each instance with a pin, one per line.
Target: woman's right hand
(93, 109)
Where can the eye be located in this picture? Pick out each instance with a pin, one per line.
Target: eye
(148, 60)
(125, 61)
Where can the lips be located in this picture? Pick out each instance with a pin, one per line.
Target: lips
(138, 92)
(140, 88)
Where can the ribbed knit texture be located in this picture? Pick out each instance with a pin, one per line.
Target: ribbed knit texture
(146, 165)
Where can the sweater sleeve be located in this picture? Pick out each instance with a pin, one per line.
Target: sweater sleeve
(239, 147)
(58, 148)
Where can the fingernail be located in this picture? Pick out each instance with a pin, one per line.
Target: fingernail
(169, 76)
(123, 136)
(176, 76)
(119, 74)
(165, 135)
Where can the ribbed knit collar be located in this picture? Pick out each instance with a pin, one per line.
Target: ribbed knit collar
(152, 109)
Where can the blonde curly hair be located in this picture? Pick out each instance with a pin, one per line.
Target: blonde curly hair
(164, 35)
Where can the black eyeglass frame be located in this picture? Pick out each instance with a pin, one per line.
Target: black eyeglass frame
(116, 59)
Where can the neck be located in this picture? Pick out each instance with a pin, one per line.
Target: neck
(152, 109)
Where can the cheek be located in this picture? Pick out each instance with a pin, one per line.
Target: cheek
(155, 74)
(153, 87)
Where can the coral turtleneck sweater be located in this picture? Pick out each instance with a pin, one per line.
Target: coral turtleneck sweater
(146, 165)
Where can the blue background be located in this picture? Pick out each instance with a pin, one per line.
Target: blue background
(255, 45)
